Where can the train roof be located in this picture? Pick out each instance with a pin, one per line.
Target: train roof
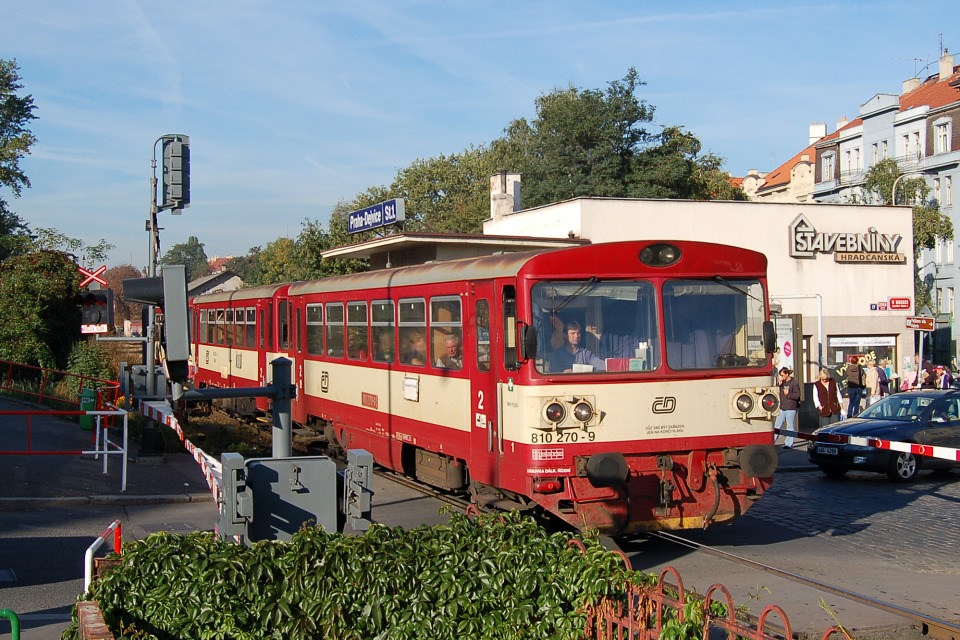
(618, 257)
(483, 268)
(252, 293)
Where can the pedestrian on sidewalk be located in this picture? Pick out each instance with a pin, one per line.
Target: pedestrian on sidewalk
(827, 398)
(872, 377)
(789, 403)
(855, 383)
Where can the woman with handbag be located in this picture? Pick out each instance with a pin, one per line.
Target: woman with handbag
(827, 398)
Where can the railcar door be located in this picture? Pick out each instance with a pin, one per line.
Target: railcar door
(485, 404)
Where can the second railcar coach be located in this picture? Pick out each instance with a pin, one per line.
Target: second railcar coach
(621, 387)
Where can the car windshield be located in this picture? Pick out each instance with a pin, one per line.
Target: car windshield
(900, 406)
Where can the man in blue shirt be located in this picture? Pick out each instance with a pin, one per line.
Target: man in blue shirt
(571, 353)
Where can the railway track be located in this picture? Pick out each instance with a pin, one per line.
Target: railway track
(929, 626)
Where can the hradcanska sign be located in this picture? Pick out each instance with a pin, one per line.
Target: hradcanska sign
(872, 246)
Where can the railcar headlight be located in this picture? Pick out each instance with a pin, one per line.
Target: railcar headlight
(744, 403)
(769, 402)
(554, 412)
(660, 255)
(583, 412)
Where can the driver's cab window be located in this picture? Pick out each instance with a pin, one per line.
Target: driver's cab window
(595, 327)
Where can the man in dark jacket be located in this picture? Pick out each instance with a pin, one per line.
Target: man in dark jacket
(789, 403)
(856, 381)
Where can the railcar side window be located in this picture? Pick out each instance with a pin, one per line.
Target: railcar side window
(357, 332)
(382, 330)
(446, 337)
(228, 323)
(315, 329)
(221, 337)
(250, 328)
(283, 321)
(207, 323)
(239, 334)
(483, 335)
(335, 329)
(413, 331)
(589, 326)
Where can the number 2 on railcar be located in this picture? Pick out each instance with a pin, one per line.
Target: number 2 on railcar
(622, 387)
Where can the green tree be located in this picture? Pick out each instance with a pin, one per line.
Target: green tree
(930, 225)
(278, 262)
(191, 255)
(39, 316)
(16, 112)
(447, 194)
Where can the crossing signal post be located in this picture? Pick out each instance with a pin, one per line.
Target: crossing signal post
(96, 313)
(169, 292)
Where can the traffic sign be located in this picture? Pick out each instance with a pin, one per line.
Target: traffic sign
(920, 323)
(93, 276)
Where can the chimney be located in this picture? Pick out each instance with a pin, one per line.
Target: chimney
(817, 131)
(946, 65)
(504, 195)
(910, 85)
(842, 122)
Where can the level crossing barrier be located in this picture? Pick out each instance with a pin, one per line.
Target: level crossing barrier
(931, 451)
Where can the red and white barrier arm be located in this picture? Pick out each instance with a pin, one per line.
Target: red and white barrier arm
(210, 466)
(88, 556)
(931, 451)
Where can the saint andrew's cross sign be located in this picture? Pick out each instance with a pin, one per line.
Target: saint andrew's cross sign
(93, 276)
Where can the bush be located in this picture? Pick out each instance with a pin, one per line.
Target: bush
(496, 576)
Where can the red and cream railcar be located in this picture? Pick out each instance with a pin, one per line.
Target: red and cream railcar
(236, 334)
(623, 387)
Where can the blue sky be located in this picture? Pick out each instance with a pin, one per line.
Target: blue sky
(293, 106)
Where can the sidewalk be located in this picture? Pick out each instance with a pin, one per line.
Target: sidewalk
(37, 479)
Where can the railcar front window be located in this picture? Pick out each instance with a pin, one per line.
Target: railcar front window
(713, 324)
(593, 326)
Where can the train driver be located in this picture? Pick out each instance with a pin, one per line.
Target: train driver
(572, 353)
(453, 358)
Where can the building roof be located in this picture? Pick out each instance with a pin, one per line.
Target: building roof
(933, 92)
(782, 174)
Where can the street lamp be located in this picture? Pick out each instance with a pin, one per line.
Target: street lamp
(893, 190)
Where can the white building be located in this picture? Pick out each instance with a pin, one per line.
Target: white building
(847, 270)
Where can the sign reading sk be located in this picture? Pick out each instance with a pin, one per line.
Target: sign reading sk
(379, 215)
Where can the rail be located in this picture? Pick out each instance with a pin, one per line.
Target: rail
(114, 527)
(102, 444)
(14, 622)
(52, 387)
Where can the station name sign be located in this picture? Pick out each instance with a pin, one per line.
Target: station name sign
(379, 215)
(871, 247)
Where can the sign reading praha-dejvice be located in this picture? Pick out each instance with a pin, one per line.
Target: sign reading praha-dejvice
(379, 215)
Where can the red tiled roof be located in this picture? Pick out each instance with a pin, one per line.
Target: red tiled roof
(218, 264)
(781, 175)
(933, 92)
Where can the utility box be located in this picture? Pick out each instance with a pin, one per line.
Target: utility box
(272, 498)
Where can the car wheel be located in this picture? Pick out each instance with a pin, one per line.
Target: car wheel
(903, 467)
(833, 471)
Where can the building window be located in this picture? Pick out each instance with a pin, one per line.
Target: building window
(941, 136)
(828, 167)
(950, 299)
(936, 190)
(883, 150)
(876, 153)
(906, 144)
(856, 160)
(948, 191)
(916, 144)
